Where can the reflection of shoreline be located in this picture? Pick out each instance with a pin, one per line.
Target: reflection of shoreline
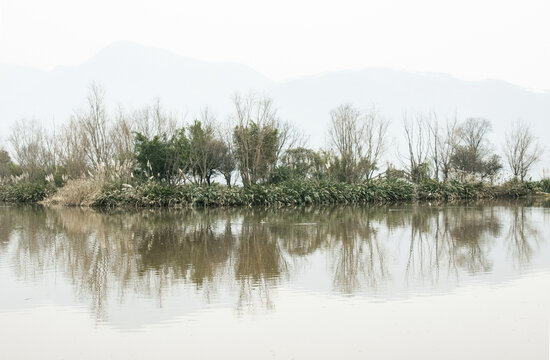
(109, 257)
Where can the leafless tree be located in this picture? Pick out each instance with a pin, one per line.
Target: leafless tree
(289, 137)
(345, 136)
(94, 126)
(358, 141)
(375, 130)
(521, 149)
(473, 133)
(473, 154)
(435, 144)
(442, 144)
(122, 138)
(447, 144)
(32, 149)
(417, 132)
(152, 120)
(71, 152)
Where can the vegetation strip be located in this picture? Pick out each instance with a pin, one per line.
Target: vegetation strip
(150, 159)
(155, 194)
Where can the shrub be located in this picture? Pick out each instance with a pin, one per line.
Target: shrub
(544, 185)
(515, 188)
(77, 192)
(24, 192)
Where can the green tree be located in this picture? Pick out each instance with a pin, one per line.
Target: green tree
(5, 162)
(162, 158)
(207, 155)
(304, 163)
(226, 163)
(257, 140)
(256, 148)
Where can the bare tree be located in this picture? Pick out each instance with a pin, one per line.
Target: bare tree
(446, 144)
(375, 130)
(71, 152)
(521, 149)
(358, 141)
(153, 120)
(289, 137)
(345, 136)
(442, 145)
(94, 125)
(435, 144)
(472, 153)
(417, 132)
(473, 133)
(31, 148)
(122, 135)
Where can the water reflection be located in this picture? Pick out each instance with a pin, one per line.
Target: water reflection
(523, 237)
(246, 255)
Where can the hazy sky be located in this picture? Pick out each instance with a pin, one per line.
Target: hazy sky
(472, 39)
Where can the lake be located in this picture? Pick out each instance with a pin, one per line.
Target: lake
(464, 281)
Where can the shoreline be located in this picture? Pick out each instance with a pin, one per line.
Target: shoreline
(296, 193)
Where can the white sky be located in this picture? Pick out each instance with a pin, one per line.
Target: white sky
(471, 39)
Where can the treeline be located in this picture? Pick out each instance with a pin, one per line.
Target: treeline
(97, 151)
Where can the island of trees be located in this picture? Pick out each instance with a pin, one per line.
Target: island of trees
(148, 158)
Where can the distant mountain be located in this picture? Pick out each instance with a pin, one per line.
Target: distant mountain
(134, 75)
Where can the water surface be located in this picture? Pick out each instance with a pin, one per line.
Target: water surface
(411, 281)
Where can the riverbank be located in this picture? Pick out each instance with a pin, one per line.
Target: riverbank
(295, 193)
(25, 193)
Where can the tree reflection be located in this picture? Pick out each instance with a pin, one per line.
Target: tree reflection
(470, 230)
(7, 224)
(425, 248)
(450, 239)
(522, 237)
(358, 258)
(259, 262)
(248, 254)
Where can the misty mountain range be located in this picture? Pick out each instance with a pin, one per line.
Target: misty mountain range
(134, 75)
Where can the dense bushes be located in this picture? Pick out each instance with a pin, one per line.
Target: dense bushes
(289, 193)
(24, 192)
(309, 192)
(453, 190)
(516, 188)
(544, 185)
(79, 192)
(142, 158)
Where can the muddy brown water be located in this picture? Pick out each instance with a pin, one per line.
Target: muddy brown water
(467, 281)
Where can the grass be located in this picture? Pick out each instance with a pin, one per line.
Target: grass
(78, 192)
(455, 190)
(287, 194)
(296, 193)
(99, 193)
